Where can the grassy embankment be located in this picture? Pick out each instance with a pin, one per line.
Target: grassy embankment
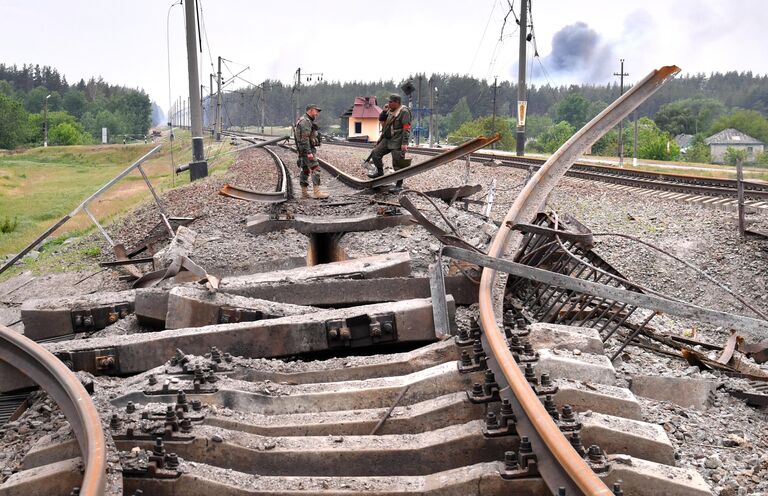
(41, 185)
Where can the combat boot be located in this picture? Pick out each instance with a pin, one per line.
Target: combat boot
(318, 193)
(305, 192)
(378, 173)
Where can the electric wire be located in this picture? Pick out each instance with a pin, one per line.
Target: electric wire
(170, 98)
(482, 38)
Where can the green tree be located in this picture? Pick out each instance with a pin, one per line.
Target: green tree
(68, 133)
(688, 116)
(608, 144)
(762, 158)
(553, 138)
(573, 109)
(536, 124)
(13, 123)
(35, 100)
(484, 127)
(652, 142)
(457, 116)
(735, 155)
(135, 111)
(74, 102)
(37, 125)
(104, 118)
(698, 151)
(749, 122)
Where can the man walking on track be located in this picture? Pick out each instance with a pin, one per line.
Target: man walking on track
(305, 134)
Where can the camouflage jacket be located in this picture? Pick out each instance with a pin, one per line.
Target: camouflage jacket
(305, 134)
(397, 127)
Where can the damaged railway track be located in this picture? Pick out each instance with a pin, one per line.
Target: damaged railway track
(356, 375)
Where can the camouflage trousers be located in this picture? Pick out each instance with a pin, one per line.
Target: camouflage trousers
(308, 168)
(381, 149)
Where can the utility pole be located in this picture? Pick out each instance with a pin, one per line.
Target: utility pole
(198, 168)
(218, 103)
(45, 140)
(493, 120)
(210, 106)
(740, 194)
(431, 112)
(263, 102)
(420, 109)
(522, 103)
(297, 112)
(634, 149)
(621, 75)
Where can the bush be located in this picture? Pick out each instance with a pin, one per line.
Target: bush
(8, 225)
(735, 155)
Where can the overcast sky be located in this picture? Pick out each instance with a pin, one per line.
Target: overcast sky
(578, 42)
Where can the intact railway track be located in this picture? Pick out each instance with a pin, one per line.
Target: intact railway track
(351, 377)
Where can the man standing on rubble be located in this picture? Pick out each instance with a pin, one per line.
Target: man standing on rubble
(395, 137)
(305, 134)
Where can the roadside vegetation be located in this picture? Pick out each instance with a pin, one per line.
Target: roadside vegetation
(40, 186)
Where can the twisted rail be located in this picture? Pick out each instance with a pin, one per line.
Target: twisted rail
(558, 462)
(63, 386)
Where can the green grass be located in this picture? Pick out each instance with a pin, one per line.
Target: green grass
(40, 186)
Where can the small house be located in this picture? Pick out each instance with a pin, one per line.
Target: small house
(362, 119)
(684, 141)
(733, 138)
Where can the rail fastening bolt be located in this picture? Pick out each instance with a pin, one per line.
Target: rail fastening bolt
(617, 491)
(525, 445)
(568, 415)
(466, 360)
(491, 421)
(477, 390)
(510, 460)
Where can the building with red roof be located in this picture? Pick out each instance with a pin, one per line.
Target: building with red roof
(362, 119)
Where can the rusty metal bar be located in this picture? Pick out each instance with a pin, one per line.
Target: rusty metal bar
(64, 219)
(65, 388)
(633, 335)
(559, 463)
(432, 162)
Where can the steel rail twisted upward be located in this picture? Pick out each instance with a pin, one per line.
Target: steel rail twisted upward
(435, 161)
(65, 388)
(558, 462)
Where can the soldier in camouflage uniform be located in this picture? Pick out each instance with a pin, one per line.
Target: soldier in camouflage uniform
(305, 134)
(395, 136)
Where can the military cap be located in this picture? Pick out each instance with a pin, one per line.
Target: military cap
(313, 106)
(395, 98)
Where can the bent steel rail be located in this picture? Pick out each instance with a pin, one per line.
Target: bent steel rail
(435, 161)
(65, 388)
(559, 463)
(283, 188)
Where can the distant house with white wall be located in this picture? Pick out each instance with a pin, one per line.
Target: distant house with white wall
(362, 119)
(733, 138)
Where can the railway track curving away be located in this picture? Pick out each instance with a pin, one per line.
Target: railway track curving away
(421, 370)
